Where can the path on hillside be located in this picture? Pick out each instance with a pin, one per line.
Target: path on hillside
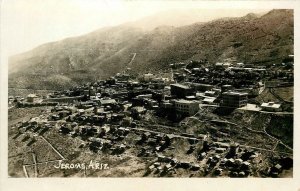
(132, 59)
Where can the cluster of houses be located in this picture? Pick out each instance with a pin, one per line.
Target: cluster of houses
(223, 84)
(104, 112)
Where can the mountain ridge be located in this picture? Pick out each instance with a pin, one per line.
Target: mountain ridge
(251, 39)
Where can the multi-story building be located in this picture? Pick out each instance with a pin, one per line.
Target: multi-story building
(186, 107)
(234, 99)
(180, 91)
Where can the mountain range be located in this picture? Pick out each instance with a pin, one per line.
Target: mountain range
(252, 39)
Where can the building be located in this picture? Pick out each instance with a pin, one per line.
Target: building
(180, 91)
(226, 65)
(219, 65)
(226, 87)
(190, 97)
(31, 98)
(92, 91)
(210, 93)
(166, 105)
(222, 65)
(271, 106)
(234, 99)
(150, 103)
(201, 87)
(148, 77)
(143, 96)
(186, 107)
(105, 102)
(122, 77)
(209, 100)
(240, 64)
(64, 99)
(137, 111)
(86, 92)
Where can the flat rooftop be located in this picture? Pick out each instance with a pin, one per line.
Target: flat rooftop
(183, 101)
(180, 86)
(232, 93)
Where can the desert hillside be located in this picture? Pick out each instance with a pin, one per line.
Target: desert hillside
(252, 39)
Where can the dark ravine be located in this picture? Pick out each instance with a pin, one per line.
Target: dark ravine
(250, 39)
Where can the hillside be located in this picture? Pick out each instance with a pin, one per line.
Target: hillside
(251, 39)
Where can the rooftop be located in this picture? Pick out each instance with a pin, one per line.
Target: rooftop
(148, 74)
(271, 105)
(210, 92)
(31, 95)
(235, 93)
(180, 86)
(107, 101)
(209, 99)
(199, 84)
(183, 101)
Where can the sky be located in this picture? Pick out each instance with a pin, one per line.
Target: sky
(26, 24)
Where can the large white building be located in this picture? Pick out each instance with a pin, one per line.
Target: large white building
(271, 106)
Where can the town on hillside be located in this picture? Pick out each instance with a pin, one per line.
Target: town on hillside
(193, 119)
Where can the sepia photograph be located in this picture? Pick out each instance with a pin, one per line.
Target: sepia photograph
(148, 89)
